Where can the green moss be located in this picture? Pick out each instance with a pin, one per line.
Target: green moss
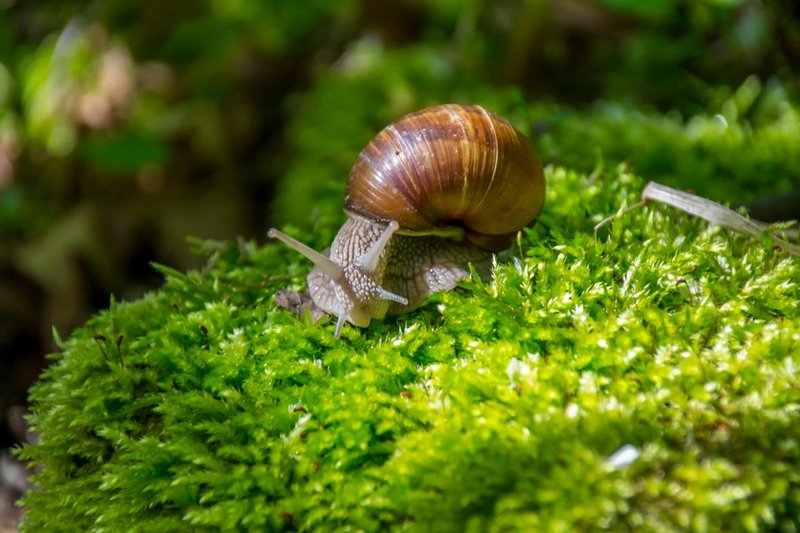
(495, 407)
(742, 147)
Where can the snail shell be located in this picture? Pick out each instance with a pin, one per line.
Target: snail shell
(450, 165)
(432, 193)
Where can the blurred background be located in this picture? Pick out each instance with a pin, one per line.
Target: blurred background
(128, 125)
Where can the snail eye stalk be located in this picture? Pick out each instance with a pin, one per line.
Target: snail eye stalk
(323, 262)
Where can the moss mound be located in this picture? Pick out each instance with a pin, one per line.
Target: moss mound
(647, 377)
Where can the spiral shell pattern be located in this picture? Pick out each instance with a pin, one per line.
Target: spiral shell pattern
(450, 165)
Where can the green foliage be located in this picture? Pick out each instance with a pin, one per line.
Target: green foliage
(497, 406)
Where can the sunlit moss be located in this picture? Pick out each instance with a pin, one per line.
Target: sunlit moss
(497, 406)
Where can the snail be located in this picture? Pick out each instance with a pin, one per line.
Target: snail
(432, 193)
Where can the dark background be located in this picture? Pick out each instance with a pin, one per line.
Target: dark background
(126, 126)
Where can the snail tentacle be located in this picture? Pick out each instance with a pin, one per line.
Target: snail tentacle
(369, 261)
(322, 261)
(340, 322)
(383, 294)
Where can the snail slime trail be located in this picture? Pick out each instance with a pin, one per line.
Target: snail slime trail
(432, 193)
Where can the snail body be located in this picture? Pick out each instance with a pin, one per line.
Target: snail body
(432, 193)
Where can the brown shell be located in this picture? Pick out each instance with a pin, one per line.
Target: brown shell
(450, 165)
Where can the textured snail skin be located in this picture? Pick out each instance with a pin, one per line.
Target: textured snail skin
(412, 266)
(430, 195)
(417, 267)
